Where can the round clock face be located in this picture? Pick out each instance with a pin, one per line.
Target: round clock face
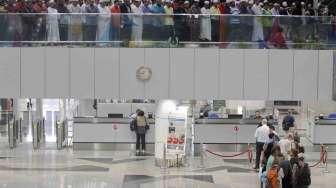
(143, 73)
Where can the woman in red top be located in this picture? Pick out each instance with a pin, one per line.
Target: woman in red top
(115, 21)
(223, 31)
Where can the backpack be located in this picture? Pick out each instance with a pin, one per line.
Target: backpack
(133, 125)
(304, 176)
(272, 178)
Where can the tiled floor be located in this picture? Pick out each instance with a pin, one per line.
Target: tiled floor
(25, 168)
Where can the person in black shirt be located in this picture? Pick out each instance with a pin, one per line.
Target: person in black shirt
(63, 21)
(125, 33)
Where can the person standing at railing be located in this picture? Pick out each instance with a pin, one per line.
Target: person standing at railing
(181, 26)
(195, 21)
(158, 20)
(52, 22)
(257, 34)
(276, 9)
(64, 20)
(187, 9)
(169, 22)
(91, 21)
(147, 20)
(75, 33)
(115, 21)
(215, 21)
(137, 25)
(104, 19)
(40, 28)
(205, 22)
(126, 23)
(28, 21)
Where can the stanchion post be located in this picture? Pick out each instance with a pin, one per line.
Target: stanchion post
(202, 153)
(325, 160)
(322, 149)
(249, 155)
(164, 160)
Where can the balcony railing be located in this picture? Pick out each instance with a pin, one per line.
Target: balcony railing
(162, 30)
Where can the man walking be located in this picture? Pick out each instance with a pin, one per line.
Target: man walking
(261, 136)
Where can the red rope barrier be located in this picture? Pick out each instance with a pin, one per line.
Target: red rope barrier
(325, 156)
(323, 159)
(225, 156)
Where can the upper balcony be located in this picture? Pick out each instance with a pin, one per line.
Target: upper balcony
(162, 30)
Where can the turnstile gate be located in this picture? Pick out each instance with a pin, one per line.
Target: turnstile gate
(38, 133)
(61, 132)
(14, 132)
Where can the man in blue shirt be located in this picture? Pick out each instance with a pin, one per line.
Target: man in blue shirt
(157, 20)
(288, 122)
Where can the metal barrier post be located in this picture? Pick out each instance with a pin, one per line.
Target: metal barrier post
(43, 137)
(164, 162)
(59, 135)
(325, 160)
(202, 164)
(322, 149)
(11, 134)
(35, 135)
(20, 130)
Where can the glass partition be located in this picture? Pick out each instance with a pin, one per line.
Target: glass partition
(164, 30)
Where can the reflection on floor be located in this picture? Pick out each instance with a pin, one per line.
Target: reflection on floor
(44, 168)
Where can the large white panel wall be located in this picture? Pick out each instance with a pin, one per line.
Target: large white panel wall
(106, 73)
(256, 74)
(82, 73)
(280, 64)
(325, 75)
(206, 73)
(10, 72)
(158, 60)
(179, 73)
(231, 74)
(182, 69)
(130, 60)
(33, 72)
(57, 72)
(305, 74)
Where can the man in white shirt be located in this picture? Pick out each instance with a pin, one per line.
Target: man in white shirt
(261, 136)
(287, 144)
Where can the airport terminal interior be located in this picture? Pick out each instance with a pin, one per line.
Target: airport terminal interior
(167, 93)
(89, 143)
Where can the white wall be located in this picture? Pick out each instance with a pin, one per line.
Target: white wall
(178, 73)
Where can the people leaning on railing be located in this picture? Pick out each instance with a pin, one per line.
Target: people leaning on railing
(134, 22)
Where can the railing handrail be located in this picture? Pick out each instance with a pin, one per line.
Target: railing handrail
(161, 14)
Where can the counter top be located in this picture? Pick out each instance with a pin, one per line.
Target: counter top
(227, 121)
(325, 122)
(102, 120)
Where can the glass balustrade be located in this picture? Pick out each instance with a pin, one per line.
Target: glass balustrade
(162, 30)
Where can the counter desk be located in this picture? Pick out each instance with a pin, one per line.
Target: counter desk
(106, 133)
(225, 131)
(323, 131)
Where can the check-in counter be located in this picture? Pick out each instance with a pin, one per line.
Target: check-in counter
(225, 131)
(323, 131)
(101, 132)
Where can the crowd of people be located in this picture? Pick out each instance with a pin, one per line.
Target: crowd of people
(281, 162)
(104, 21)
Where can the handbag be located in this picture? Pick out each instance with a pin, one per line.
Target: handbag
(147, 126)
